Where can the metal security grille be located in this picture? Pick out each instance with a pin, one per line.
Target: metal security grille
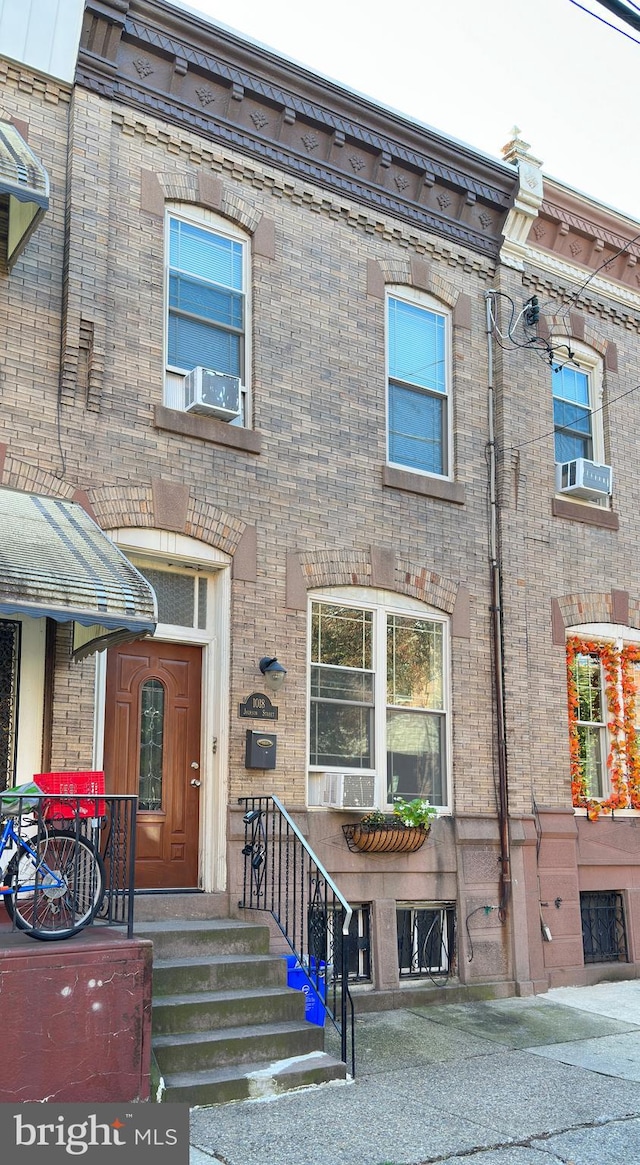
(9, 674)
(604, 936)
(426, 940)
(325, 939)
(358, 943)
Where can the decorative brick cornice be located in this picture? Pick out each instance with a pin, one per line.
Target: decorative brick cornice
(581, 240)
(183, 70)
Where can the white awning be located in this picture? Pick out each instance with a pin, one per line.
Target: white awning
(56, 563)
(24, 189)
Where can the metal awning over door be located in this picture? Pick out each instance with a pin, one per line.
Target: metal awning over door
(24, 191)
(56, 563)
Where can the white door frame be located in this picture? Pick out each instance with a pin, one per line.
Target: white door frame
(161, 546)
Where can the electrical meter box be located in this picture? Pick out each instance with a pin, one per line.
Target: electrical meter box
(260, 752)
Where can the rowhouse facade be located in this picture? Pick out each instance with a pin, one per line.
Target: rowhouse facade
(283, 346)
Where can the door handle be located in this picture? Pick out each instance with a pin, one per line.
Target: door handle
(196, 783)
(194, 764)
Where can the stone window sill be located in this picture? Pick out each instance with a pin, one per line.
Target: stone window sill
(590, 515)
(207, 429)
(427, 487)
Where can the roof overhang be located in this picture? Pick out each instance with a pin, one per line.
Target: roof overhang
(56, 563)
(24, 185)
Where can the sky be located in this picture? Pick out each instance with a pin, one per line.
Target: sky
(472, 69)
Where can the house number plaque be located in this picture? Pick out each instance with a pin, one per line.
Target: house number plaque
(258, 707)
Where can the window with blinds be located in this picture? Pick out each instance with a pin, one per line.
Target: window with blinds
(417, 405)
(206, 291)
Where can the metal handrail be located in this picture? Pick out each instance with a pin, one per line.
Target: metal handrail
(283, 875)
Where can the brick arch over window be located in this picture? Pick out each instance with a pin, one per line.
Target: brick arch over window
(20, 475)
(615, 606)
(410, 272)
(200, 188)
(377, 567)
(573, 326)
(165, 505)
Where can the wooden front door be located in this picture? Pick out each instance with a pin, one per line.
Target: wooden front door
(152, 749)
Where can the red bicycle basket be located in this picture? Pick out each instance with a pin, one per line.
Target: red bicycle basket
(72, 785)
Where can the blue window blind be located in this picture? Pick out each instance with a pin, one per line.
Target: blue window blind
(417, 387)
(571, 414)
(206, 300)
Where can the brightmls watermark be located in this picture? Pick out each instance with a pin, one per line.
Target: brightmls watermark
(42, 1134)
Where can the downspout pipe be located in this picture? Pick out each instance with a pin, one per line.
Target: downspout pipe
(497, 629)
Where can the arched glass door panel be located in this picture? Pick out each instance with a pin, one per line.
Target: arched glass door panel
(152, 713)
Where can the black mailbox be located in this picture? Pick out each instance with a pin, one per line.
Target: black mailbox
(260, 752)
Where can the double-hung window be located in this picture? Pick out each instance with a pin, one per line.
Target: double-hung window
(577, 399)
(378, 694)
(591, 721)
(604, 719)
(418, 408)
(206, 293)
(572, 418)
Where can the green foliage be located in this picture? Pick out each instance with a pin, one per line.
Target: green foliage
(416, 812)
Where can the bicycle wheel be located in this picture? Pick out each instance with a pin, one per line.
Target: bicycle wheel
(51, 911)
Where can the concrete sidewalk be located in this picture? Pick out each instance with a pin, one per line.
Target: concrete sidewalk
(537, 1081)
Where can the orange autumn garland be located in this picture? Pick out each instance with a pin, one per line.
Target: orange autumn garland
(624, 779)
(629, 656)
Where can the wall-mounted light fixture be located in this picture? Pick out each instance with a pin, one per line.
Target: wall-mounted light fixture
(273, 673)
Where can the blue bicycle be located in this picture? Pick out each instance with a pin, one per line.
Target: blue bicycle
(52, 879)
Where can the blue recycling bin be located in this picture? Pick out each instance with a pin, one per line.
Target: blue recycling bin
(313, 1010)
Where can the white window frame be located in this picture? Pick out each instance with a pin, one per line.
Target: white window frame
(428, 303)
(590, 363)
(601, 728)
(619, 636)
(381, 603)
(174, 376)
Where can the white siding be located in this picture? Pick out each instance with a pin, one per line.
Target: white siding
(43, 34)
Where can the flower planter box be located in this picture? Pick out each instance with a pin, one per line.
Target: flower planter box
(386, 838)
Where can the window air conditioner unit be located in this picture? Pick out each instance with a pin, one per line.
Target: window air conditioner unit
(349, 791)
(216, 394)
(584, 479)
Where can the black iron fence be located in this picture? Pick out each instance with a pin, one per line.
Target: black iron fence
(105, 826)
(283, 876)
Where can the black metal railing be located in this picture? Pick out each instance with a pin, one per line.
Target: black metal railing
(604, 935)
(112, 833)
(283, 876)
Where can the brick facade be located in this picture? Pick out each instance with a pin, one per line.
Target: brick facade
(302, 498)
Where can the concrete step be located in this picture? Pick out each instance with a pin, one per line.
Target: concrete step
(217, 972)
(200, 1011)
(178, 938)
(197, 1051)
(150, 906)
(218, 1086)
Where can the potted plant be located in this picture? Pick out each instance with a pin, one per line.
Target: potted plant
(403, 831)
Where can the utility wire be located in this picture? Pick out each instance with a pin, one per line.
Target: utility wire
(574, 299)
(608, 23)
(591, 413)
(622, 11)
